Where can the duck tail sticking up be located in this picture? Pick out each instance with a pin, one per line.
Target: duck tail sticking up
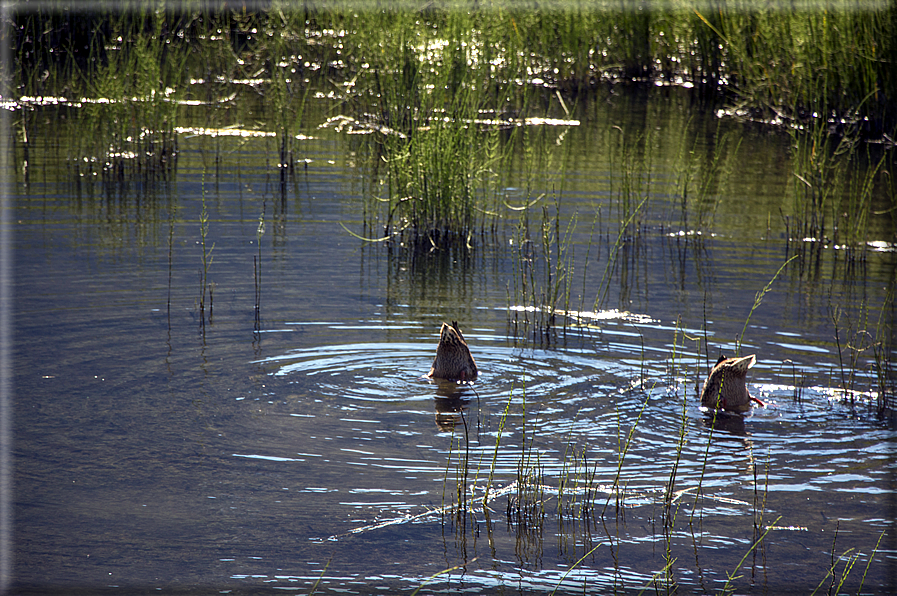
(453, 361)
(725, 387)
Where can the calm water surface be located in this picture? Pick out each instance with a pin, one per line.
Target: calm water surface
(153, 451)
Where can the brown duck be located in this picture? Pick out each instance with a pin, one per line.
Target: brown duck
(725, 389)
(453, 361)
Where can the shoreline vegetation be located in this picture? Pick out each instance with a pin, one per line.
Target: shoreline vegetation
(794, 62)
(451, 86)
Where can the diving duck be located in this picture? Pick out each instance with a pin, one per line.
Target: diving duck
(725, 389)
(453, 361)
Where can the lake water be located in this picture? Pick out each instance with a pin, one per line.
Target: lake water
(161, 447)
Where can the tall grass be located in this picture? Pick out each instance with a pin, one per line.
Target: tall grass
(833, 186)
(543, 272)
(632, 193)
(774, 59)
(829, 57)
(205, 286)
(856, 335)
(433, 104)
(135, 111)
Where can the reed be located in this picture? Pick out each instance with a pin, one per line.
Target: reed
(837, 181)
(630, 158)
(883, 350)
(849, 558)
(869, 561)
(443, 572)
(445, 87)
(782, 61)
(671, 500)
(758, 300)
(855, 337)
(731, 576)
(432, 100)
(136, 79)
(320, 577)
(257, 269)
(622, 450)
(543, 272)
(287, 90)
(804, 62)
(205, 287)
(501, 428)
(526, 504)
(702, 178)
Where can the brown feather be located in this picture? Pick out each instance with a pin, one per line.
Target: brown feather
(453, 361)
(725, 387)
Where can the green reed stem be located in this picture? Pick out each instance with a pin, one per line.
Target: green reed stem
(320, 577)
(574, 566)
(501, 427)
(443, 572)
(731, 576)
(869, 562)
(624, 449)
(757, 300)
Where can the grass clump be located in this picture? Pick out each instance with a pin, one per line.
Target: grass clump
(543, 272)
(430, 98)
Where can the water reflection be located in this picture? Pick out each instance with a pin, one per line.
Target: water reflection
(451, 402)
(732, 424)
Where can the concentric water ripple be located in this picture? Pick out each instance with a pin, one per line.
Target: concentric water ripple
(628, 421)
(396, 371)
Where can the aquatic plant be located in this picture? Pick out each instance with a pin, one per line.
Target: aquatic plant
(501, 427)
(281, 54)
(787, 63)
(130, 101)
(430, 95)
(443, 572)
(445, 89)
(257, 268)
(702, 178)
(854, 337)
(809, 62)
(731, 575)
(758, 299)
(204, 285)
(542, 272)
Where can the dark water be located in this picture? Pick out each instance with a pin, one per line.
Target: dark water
(155, 452)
